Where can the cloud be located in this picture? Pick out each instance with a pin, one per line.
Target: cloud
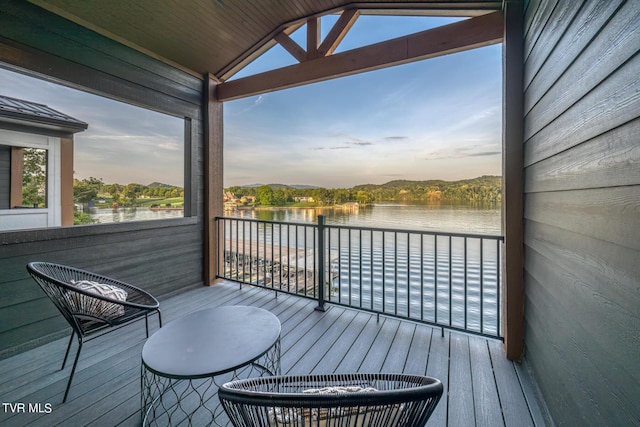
(395, 138)
(486, 153)
(479, 150)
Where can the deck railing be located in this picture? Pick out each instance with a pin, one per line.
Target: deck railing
(449, 280)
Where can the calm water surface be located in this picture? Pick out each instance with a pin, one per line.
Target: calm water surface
(446, 281)
(109, 215)
(429, 217)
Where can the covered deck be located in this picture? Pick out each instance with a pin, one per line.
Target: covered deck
(481, 386)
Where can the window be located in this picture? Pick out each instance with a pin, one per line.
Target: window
(28, 187)
(126, 163)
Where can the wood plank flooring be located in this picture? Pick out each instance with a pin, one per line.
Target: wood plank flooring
(482, 388)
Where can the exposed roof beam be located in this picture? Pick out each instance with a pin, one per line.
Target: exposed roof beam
(338, 32)
(313, 37)
(405, 8)
(464, 35)
(256, 51)
(291, 46)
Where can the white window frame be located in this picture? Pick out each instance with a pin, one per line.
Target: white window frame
(51, 215)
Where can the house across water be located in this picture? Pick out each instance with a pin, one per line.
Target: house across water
(36, 165)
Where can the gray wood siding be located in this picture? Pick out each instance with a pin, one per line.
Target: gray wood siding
(5, 176)
(165, 256)
(582, 208)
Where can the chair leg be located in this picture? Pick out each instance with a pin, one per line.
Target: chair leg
(73, 371)
(146, 321)
(64, 362)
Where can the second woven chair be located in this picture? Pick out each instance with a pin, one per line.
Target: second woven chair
(335, 400)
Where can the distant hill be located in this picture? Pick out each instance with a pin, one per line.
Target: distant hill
(159, 185)
(486, 180)
(296, 186)
(482, 189)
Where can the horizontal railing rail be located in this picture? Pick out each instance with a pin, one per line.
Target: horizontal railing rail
(450, 280)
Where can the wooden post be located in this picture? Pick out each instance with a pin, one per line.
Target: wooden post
(66, 181)
(17, 165)
(512, 176)
(213, 177)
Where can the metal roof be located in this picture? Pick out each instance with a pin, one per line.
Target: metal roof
(21, 112)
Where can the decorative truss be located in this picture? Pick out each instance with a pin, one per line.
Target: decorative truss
(317, 61)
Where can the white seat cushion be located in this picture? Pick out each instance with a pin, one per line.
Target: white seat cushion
(96, 307)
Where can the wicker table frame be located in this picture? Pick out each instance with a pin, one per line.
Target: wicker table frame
(187, 394)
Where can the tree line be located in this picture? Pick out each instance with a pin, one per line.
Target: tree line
(86, 190)
(485, 189)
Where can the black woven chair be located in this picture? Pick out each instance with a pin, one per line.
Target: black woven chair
(335, 400)
(91, 314)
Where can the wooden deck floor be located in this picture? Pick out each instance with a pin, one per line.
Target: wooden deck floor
(482, 388)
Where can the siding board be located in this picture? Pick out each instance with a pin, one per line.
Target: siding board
(599, 278)
(608, 160)
(19, 291)
(610, 215)
(535, 24)
(612, 103)
(582, 204)
(616, 43)
(561, 16)
(576, 333)
(98, 82)
(561, 379)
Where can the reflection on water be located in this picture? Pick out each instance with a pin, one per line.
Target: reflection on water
(108, 215)
(446, 280)
(430, 217)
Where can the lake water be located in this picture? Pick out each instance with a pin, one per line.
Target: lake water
(425, 217)
(109, 215)
(453, 281)
(440, 279)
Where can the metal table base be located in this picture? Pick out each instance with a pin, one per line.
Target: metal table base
(185, 362)
(194, 402)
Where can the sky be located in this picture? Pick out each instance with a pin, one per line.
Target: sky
(123, 144)
(433, 119)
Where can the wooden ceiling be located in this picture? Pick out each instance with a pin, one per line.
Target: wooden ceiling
(219, 37)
